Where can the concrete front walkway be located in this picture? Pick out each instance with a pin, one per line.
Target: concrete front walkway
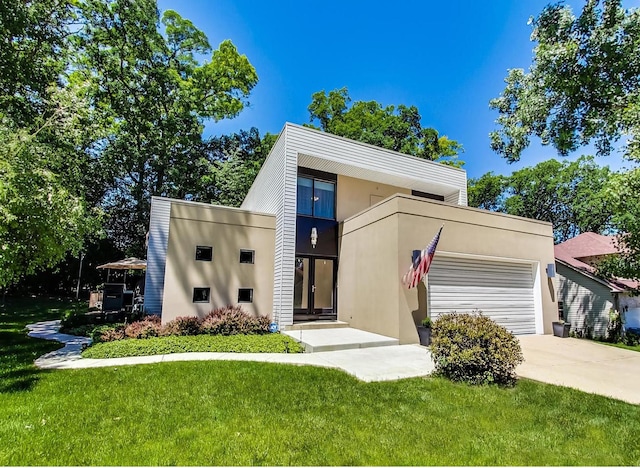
(582, 364)
(367, 364)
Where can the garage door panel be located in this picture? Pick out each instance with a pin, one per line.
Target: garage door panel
(503, 291)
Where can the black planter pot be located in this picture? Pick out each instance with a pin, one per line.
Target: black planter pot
(424, 334)
(561, 329)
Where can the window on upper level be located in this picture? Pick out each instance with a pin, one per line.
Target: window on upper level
(316, 198)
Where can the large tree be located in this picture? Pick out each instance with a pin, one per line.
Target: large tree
(156, 94)
(395, 128)
(583, 88)
(33, 54)
(46, 141)
(573, 196)
(43, 211)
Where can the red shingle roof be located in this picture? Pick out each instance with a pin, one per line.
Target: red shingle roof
(590, 244)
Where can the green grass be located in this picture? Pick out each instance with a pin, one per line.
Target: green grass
(17, 350)
(248, 413)
(272, 343)
(622, 345)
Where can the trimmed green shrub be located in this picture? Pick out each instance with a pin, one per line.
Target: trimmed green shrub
(474, 349)
(108, 332)
(74, 319)
(631, 338)
(81, 330)
(233, 320)
(271, 343)
(182, 326)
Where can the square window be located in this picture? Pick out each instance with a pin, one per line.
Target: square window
(204, 253)
(247, 256)
(201, 294)
(245, 295)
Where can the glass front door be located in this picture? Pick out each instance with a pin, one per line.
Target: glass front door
(314, 288)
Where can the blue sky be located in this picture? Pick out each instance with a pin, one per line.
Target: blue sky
(447, 58)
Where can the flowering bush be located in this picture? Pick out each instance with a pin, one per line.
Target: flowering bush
(233, 320)
(146, 328)
(182, 326)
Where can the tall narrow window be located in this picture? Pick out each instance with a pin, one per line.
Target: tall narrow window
(323, 199)
(561, 311)
(305, 196)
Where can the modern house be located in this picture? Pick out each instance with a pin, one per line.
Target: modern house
(327, 231)
(584, 299)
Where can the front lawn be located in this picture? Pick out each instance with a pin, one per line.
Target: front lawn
(248, 413)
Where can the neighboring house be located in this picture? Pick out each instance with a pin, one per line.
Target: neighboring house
(585, 300)
(327, 231)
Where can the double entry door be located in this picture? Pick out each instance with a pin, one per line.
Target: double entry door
(314, 288)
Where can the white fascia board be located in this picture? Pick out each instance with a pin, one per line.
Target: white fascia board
(338, 155)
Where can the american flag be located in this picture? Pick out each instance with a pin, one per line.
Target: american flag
(421, 264)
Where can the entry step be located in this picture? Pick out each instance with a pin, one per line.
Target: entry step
(335, 339)
(317, 325)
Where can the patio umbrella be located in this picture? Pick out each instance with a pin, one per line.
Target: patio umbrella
(130, 263)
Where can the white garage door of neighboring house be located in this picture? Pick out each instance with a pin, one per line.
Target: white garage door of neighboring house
(501, 290)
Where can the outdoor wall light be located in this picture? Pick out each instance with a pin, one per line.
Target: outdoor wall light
(314, 237)
(551, 270)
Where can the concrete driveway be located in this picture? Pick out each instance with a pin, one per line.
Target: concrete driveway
(582, 364)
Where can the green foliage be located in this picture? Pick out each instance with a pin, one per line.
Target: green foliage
(487, 192)
(632, 338)
(75, 317)
(156, 94)
(472, 348)
(228, 166)
(562, 193)
(42, 202)
(271, 343)
(108, 332)
(624, 193)
(426, 322)
(583, 86)
(614, 330)
(33, 49)
(394, 128)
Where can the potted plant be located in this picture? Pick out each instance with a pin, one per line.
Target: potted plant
(561, 328)
(424, 331)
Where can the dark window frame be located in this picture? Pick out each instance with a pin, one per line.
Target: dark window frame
(240, 290)
(313, 180)
(248, 251)
(208, 291)
(199, 248)
(428, 196)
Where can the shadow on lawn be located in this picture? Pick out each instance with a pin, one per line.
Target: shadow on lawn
(17, 349)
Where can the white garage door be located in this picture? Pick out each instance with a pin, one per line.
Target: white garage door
(501, 290)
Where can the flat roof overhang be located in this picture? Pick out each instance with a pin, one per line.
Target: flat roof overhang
(383, 175)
